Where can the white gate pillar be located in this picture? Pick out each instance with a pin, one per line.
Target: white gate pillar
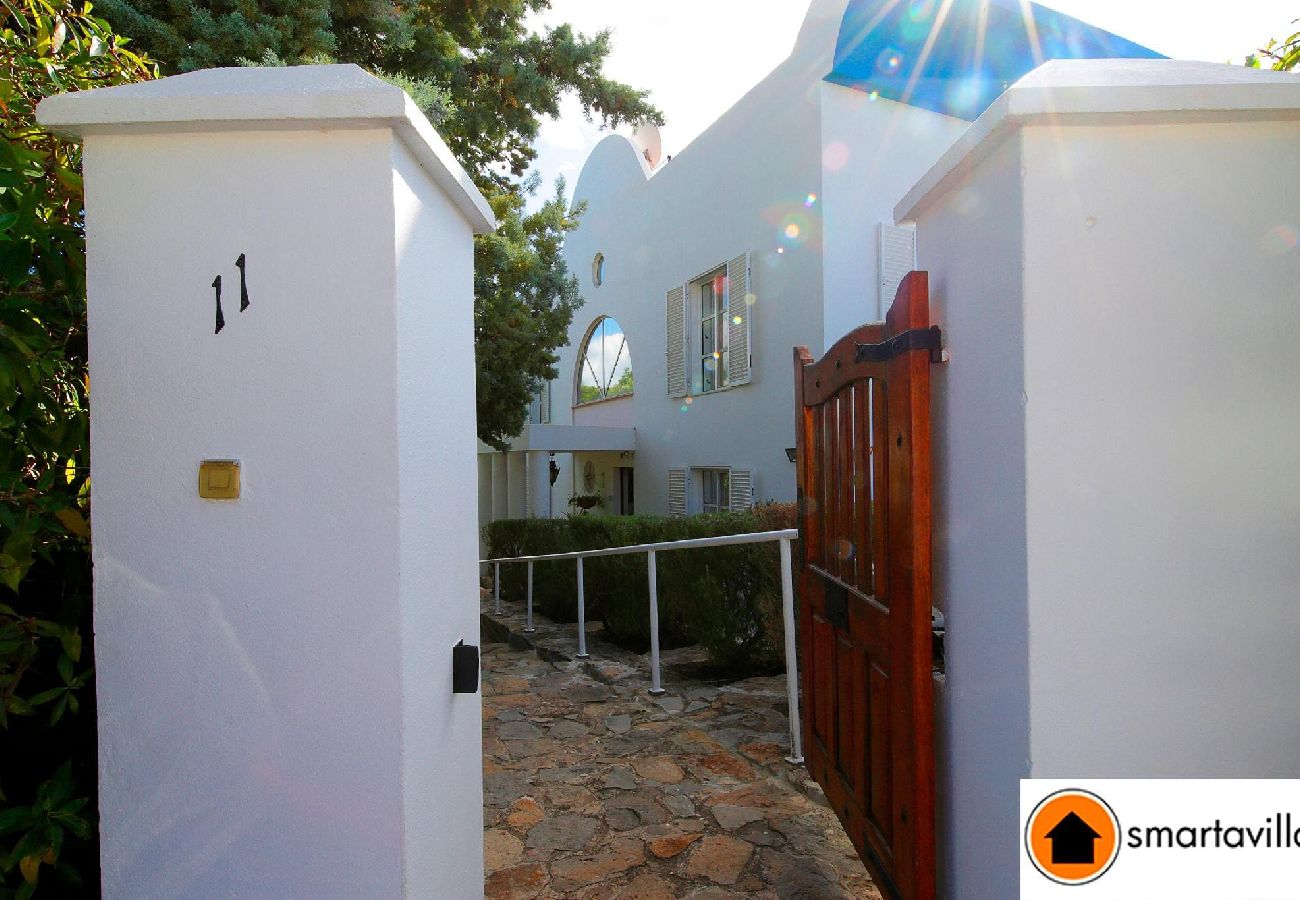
(274, 669)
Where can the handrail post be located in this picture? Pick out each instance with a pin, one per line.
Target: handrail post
(528, 622)
(496, 585)
(655, 688)
(791, 660)
(582, 615)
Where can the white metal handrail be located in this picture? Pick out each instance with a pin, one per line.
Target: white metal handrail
(784, 536)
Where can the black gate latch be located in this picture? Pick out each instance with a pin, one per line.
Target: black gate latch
(464, 669)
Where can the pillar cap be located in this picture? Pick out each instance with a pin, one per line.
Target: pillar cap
(261, 98)
(1105, 92)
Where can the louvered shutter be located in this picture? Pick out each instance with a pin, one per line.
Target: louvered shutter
(740, 368)
(675, 343)
(742, 489)
(528, 478)
(897, 258)
(676, 492)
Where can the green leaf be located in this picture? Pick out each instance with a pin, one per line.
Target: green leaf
(72, 644)
(16, 818)
(46, 696)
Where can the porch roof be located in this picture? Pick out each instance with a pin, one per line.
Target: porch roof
(571, 439)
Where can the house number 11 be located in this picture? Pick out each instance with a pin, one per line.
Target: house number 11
(242, 265)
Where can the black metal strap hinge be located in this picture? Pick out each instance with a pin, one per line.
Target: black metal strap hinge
(929, 339)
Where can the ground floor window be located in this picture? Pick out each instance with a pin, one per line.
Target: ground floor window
(715, 489)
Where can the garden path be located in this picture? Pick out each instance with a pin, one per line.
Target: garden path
(593, 789)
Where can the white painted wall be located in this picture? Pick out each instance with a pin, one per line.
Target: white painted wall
(971, 245)
(1113, 259)
(1162, 317)
(442, 766)
(736, 189)
(275, 716)
(872, 151)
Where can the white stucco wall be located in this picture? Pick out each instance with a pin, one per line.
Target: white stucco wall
(972, 242)
(795, 151)
(724, 195)
(1115, 437)
(1162, 316)
(873, 150)
(214, 774)
(442, 768)
(273, 673)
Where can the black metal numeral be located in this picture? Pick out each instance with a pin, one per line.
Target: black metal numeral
(221, 320)
(243, 283)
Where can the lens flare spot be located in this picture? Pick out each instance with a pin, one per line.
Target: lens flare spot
(737, 320)
(835, 155)
(844, 549)
(873, 96)
(792, 231)
(751, 299)
(810, 201)
(889, 62)
(780, 249)
(921, 10)
(685, 407)
(1281, 239)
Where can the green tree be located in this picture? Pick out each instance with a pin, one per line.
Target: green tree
(46, 47)
(1281, 55)
(487, 81)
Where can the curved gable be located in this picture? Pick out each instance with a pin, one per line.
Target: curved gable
(613, 166)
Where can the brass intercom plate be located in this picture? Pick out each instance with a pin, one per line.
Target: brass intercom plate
(219, 479)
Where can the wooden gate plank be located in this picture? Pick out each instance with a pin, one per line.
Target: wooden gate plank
(863, 438)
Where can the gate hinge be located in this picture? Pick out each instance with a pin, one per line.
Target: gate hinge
(928, 339)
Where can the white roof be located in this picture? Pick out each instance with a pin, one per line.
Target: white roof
(1126, 91)
(341, 96)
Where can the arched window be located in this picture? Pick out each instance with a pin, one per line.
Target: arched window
(605, 363)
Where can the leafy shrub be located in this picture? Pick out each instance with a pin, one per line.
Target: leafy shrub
(728, 599)
(46, 706)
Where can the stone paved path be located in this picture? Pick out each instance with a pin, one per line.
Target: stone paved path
(594, 789)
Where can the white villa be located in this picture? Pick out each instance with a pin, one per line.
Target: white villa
(775, 227)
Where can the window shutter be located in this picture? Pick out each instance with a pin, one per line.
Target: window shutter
(742, 489)
(676, 492)
(546, 404)
(739, 362)
(897, 258)
(528, 500)
(675, 345)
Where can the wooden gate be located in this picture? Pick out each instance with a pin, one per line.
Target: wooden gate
(863, 420)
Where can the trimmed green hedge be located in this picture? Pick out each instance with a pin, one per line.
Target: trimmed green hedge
(727, 599)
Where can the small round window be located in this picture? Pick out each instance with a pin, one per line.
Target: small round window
(598, 269)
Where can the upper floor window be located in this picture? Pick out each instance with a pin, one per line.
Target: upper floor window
(598, 270)
(712, 302)
(708, 336)
(605, 363)
(539, 411)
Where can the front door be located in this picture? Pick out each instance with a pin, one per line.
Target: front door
(626, 491)
(863, 422)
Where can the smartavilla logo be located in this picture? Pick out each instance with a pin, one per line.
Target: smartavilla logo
(1072, 836)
